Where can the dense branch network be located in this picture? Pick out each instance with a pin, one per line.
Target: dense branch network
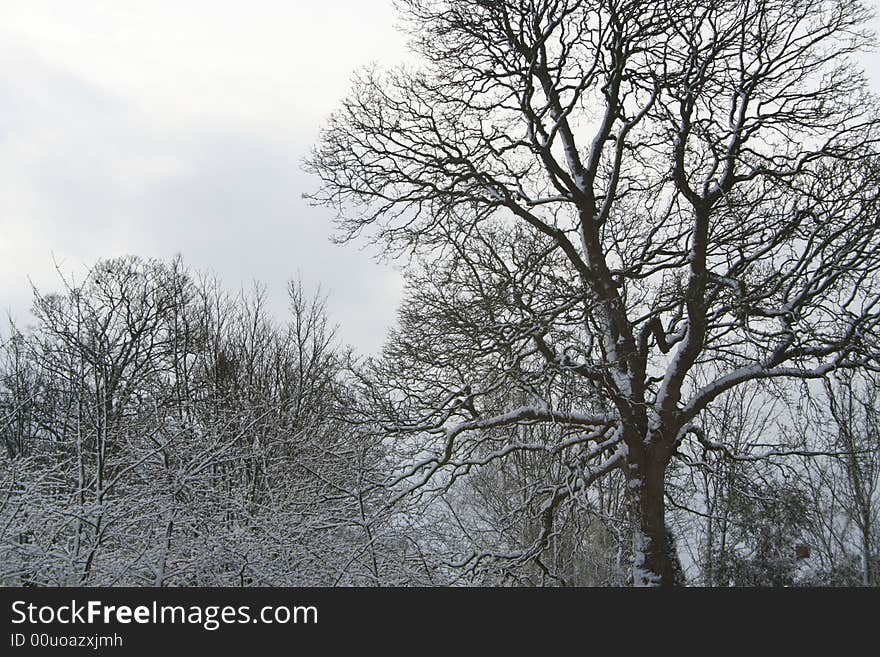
(615, 195)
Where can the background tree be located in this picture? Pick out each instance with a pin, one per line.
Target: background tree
(160, 431)
(657, 202)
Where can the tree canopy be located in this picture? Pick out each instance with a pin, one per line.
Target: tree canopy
(650, 202)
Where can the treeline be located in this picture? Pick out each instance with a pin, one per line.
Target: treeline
(160, 431)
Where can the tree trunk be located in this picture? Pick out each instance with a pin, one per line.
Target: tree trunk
(654, 560)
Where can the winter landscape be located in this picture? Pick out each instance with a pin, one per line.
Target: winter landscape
(521, 293)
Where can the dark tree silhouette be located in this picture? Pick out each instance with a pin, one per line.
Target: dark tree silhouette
(657, 201)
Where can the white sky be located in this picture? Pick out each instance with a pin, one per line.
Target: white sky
(148, 128)
(179, 125)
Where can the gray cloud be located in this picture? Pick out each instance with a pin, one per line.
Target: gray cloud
(92, 166)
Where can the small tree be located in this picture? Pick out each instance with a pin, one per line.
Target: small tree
(657, 201)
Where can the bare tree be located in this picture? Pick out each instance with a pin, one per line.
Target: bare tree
(161, 431)
(657, 201)
(845, 486)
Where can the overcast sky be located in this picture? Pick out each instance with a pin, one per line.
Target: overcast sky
(150, 128)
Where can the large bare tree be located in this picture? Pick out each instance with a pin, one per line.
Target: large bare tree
(660, 200)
